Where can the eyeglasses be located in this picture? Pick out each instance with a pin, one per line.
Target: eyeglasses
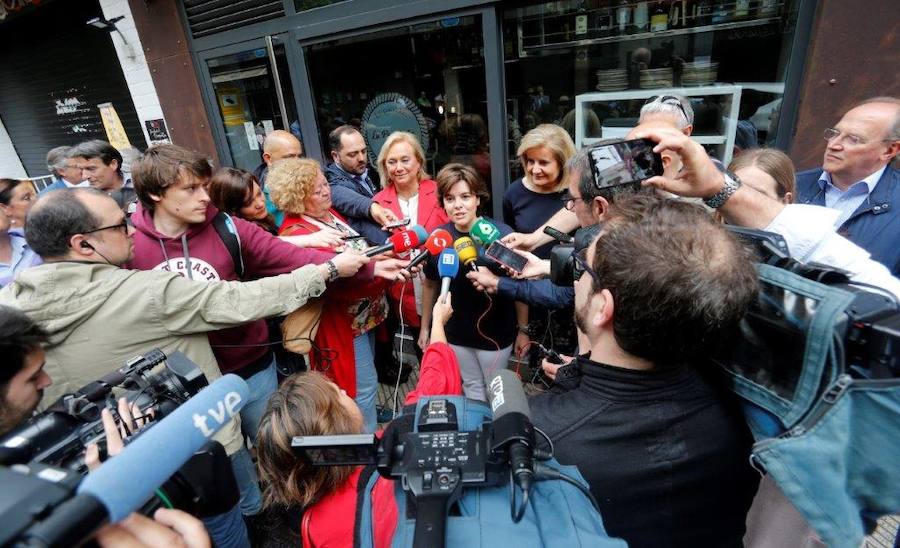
(670, 100)
(831, 134)
(123, 225)
(581, 266)
(569, 201)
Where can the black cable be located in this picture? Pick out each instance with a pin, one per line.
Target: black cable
(549, 442)
(515, 514)
(877, 289)
(546, 472)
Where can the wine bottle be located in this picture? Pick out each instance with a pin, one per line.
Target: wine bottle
(604, 22)
(659, 19)
(623, 17)
(741, 9)
(641, 17)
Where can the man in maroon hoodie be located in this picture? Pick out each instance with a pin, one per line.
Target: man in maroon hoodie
(175, 231)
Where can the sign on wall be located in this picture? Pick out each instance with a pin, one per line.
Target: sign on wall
(390, 112)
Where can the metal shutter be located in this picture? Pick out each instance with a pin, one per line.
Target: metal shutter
(54, 71)
(212, 16)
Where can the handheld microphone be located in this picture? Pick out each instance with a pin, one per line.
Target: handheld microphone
(558, 235)
(401, 241)
(448, 268)
(438, 241)
(484, 232)
(465, 249)
(124, 483)
(512, 430)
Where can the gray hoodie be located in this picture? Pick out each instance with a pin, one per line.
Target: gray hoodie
(99, 316)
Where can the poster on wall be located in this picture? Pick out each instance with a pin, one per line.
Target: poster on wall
(390, 112)
(115, 132)
(157, 132)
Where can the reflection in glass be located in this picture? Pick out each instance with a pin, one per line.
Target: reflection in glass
(427, 79)
(245, 93)
(556, 51)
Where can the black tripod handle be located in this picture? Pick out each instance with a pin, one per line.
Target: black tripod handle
(431, 521)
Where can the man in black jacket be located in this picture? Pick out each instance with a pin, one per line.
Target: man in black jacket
(354, 183)
(662, 447)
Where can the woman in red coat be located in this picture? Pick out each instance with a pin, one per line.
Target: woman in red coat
(344, 342)
(410, 194)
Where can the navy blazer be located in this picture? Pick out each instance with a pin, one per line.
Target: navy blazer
(875, 225)
(353, 200)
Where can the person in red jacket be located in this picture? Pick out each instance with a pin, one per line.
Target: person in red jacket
(298, 187)
(410, 194)
(308, 404)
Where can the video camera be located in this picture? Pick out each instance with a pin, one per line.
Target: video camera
(43, 459)
(434, 460)
(563, 269)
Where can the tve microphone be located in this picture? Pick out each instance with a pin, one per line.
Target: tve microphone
(466, 250)
(400, 242)
(512, 430)
(484, 232)
(438, 241)
(125, 482)
(448, 267)
(558, 235)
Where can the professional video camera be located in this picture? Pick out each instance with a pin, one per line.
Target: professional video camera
(435, 461)
(563, 269)
(57, 438)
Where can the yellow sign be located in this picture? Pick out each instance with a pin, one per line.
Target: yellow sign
(115, 133)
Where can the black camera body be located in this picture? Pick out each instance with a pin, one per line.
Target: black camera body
(563, 269)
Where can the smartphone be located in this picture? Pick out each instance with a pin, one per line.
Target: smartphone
(506, 256)
(336, 450)
(625, 162)
(399, 224)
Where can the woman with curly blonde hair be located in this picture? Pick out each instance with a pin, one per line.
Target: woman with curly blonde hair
(298, 187)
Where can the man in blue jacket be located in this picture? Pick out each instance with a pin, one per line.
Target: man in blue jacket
(354, 183)
(857, 180)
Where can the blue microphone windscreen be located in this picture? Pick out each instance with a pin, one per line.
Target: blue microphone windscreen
(448, 263)
(421, 233)
(123, 483)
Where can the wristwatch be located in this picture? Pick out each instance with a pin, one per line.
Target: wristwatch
(333, 273)
(732, 183)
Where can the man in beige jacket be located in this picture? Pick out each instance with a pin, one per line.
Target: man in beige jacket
(99, 315)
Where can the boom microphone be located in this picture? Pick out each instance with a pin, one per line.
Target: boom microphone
(438, 241)
(448, 268)
(466, 250)
(484, 232)
(512, 428)
(401, 241)
(124, 483)
(558, 235)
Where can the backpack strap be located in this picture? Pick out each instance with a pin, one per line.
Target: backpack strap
(224, 226)
(363, 486)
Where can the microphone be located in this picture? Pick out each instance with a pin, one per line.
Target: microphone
(448, 267)
(125, 482)
(465, 249)
(512, 430)
(439, 240)
(484, 232)
(400, 241)
(558, 235)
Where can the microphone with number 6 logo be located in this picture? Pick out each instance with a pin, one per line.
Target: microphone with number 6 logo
(438, 241)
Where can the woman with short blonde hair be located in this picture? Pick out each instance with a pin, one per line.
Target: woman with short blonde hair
(393, 139)
(557, 144)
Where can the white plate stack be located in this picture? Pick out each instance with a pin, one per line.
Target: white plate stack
(656, 78)
(612, 80)
(699, 73)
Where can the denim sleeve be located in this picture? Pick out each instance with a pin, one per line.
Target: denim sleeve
(348, 202)
(537, 292)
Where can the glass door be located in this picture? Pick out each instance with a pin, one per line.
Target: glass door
(426, 78)
(252, 92)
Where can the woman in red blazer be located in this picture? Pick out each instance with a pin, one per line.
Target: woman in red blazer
(410, 194)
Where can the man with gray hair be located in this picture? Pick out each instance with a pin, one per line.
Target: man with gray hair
(857, 180)
(101, 166)
(65, 168)
(669, 109)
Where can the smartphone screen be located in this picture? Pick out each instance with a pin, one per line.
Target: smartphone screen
(336, 450)
(626, 162)
(506, 256)
(398, 224)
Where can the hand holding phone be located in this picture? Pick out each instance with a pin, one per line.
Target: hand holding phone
(399, 224)
(506, 257)
(625, 162)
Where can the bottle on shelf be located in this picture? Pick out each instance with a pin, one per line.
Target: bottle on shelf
(741, 9)
(641, 17)
(702, 12)
(678, 14)
(623, 17)
(720, 12)
(767, 8)
(659, 18)
(604, 21)
(581, 21)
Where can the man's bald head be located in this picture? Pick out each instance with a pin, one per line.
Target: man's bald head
(58, 215)
(279, 145)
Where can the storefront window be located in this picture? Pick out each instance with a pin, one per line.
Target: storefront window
(248, 103)
(427, 79)
(608, 57)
